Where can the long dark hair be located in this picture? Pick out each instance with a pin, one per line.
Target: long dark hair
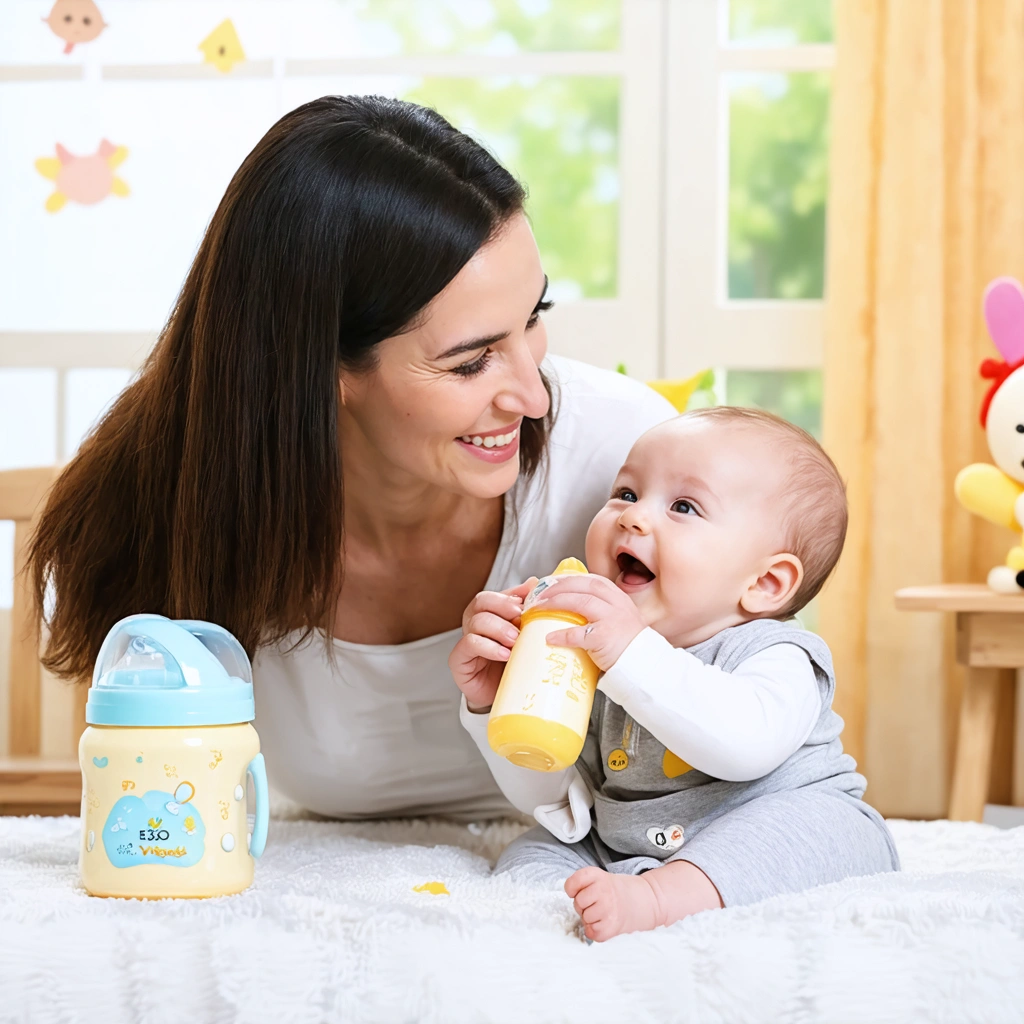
(213, 488)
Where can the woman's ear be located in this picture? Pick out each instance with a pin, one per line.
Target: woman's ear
(774, 588)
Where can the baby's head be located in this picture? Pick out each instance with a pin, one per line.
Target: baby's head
(718, 517)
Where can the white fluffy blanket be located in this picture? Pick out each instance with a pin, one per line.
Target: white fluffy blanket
(333, 931)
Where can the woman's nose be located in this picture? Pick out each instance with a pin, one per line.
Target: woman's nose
(524, 393)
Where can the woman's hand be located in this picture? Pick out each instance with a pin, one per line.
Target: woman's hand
(613, 620)
(490, 625)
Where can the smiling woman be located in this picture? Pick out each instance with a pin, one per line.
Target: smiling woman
(336, 443)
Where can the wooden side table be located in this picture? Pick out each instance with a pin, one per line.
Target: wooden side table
(989, 642)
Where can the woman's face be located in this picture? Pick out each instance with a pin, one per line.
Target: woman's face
(445, 401)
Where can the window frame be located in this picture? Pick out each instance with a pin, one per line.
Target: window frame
(754, 334)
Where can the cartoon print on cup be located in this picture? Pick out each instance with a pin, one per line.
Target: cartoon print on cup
(153, 832)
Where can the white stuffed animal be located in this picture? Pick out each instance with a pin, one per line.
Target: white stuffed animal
(997, 492)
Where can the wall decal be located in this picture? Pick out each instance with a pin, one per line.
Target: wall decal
(75, 21)
(83, 179)
(222, 48)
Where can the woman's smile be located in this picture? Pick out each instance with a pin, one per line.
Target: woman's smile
(492, 445)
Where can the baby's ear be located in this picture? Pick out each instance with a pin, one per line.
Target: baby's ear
(778, 581)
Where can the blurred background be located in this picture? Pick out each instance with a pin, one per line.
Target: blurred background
(681, 172)
(629, 123)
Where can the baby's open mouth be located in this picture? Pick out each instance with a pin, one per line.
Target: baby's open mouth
(632, 571)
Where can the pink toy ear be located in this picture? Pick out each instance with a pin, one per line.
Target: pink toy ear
(63, 155)
(1004, 314)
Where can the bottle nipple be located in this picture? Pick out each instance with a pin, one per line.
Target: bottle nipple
(570, 565)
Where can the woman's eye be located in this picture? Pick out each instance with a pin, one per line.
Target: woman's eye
(477, 365)
(683, 508)
(542, 307)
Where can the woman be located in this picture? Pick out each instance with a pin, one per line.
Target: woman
(345, 431)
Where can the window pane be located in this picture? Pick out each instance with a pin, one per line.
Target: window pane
(559, 136)
(795, 395)
(28, 418)
(778, 184)
(780, 22)
(89, 394)
(488, 26)
(116, 264)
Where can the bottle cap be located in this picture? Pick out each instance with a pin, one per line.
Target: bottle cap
(155, 671)
(566, 567)
(570, 565)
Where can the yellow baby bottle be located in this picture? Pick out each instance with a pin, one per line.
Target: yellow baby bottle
(542, 708)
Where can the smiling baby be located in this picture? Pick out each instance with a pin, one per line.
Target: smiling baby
(712, 774)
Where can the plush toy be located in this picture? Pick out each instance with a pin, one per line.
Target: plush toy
(997, 492)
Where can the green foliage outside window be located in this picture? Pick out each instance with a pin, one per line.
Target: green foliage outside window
(778, 184)
(780, 22)
(559, 136)
(495, 26)
(795, 395)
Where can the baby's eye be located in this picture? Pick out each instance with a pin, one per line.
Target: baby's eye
(683, 507)
(624, 494)
(1020, 428)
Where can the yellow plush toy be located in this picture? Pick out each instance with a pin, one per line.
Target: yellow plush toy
(996, 492)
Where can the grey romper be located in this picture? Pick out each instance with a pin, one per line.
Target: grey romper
(803, 824)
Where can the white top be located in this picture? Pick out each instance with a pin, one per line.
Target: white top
(377, 733)
(736, 726)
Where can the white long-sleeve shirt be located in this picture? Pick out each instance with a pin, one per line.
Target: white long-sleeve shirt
(737, 726)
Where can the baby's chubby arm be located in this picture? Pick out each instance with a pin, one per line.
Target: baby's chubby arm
(736, 726)
(560, 801)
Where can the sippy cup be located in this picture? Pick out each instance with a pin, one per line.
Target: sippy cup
(542, 708)
(165, 762)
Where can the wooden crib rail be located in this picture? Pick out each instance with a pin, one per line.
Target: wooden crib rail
(30, 784)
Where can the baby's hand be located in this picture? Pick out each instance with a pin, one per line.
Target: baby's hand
(613, 619)
(489, 629)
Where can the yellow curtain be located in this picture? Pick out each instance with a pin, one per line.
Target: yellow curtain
(926, 206)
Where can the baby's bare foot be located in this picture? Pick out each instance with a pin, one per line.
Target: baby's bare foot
(612, 905)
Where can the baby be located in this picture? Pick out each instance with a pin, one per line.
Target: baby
(712, 774)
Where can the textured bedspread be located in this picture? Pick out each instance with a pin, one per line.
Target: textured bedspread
(341, 926)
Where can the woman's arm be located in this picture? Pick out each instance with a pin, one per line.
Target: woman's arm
(560, 801)
(737, 725)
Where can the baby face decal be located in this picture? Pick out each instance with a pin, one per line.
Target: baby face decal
(75, 21)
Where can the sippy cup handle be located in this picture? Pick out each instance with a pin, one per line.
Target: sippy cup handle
(257, 768)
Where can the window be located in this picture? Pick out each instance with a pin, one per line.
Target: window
(746, 184)
(674, 151)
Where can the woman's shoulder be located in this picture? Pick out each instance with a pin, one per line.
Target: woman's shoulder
(599, 412)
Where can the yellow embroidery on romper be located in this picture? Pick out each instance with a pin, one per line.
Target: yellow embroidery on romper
(674, 766)
(618, 759)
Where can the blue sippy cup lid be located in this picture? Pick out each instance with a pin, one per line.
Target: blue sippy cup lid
(155, 671)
